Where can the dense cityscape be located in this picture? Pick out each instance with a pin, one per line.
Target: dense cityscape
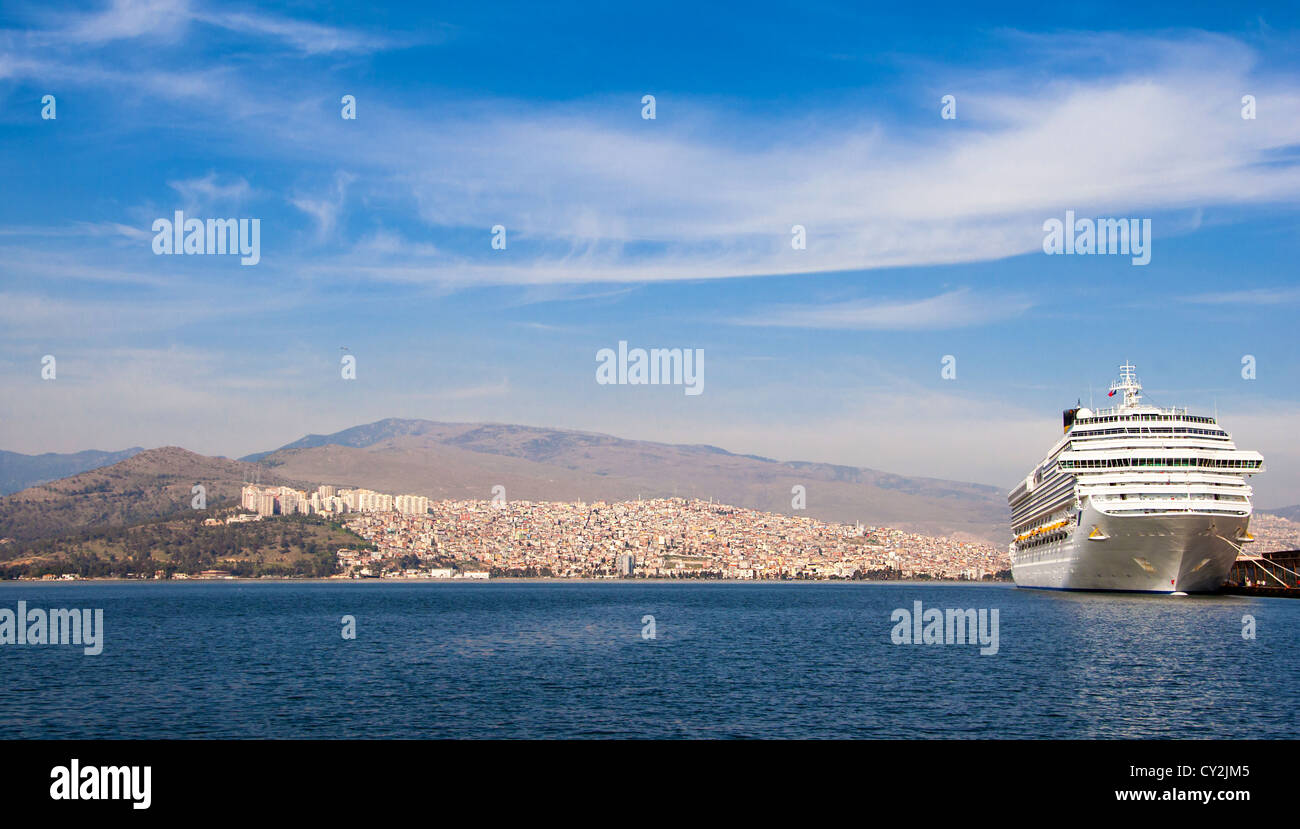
(658, 538)
(1273, 533)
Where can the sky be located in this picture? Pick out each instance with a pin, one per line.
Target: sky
(924, 235)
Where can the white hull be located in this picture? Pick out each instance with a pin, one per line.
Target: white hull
(1161, 553)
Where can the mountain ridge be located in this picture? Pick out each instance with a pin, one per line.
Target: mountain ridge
(466, 460)
(353, 436)
(19, 471)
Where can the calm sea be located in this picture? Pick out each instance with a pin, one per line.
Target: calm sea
(568, 659)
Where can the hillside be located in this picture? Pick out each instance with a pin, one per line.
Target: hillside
(293, 545)
(465, 460)
(150, 485)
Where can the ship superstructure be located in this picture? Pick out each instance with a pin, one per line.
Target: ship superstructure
(1133, 497)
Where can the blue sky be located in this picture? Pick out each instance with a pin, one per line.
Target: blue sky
(924, 235)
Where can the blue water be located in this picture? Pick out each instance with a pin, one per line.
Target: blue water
(567, 659)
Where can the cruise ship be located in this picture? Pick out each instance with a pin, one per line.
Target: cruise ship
(1133, 497)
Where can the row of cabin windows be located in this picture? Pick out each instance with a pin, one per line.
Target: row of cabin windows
(1115, 418)
(1206, 463)
(1152, 430)
(1176, 496)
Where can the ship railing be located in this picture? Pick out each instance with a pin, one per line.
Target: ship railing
(1119, 410)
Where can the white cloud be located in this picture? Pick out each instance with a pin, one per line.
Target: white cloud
(306, 37)
(128, 19)
(955, 309)
(170, 20)
(618, 199)
(325, 209)
(212, 192)
(600, 195)
(1251, 296)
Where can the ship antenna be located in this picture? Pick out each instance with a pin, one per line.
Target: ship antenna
(1128, 384)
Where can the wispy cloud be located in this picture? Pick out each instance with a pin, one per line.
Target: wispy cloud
(170, 20)
(125, 20)
(599, 195)
(603, 199)
(1251, 296)
(955, 309)
(212, 191)
(309, 38)
(325, 208)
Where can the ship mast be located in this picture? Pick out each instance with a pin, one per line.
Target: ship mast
(1129, 384)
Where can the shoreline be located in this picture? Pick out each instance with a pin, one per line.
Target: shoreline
(503, 580)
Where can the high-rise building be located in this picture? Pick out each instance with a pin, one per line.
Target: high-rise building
(266, 503)
(411, 504)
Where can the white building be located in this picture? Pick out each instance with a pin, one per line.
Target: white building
(411, 504)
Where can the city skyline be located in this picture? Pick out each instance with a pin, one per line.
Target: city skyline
(924, 234)
(665, 537)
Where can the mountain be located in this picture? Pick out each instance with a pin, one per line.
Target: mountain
(1289, 513)
(150, 485)
(21, 471)
(358, 436)
(466, 460)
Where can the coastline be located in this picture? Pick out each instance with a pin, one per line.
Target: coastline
(503, 580)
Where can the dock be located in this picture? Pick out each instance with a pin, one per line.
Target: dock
(1268, 574)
